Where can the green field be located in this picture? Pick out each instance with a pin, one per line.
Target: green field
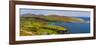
(43, 25)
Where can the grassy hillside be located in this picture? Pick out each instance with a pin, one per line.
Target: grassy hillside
(31, 24)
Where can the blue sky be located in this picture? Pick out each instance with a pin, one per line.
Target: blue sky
(57, 12)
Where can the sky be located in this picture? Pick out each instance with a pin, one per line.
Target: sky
(57, 12)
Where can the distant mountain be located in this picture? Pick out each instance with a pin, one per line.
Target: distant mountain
(54, 17)
(30, 15)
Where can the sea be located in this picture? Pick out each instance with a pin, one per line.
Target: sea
(76, 27)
